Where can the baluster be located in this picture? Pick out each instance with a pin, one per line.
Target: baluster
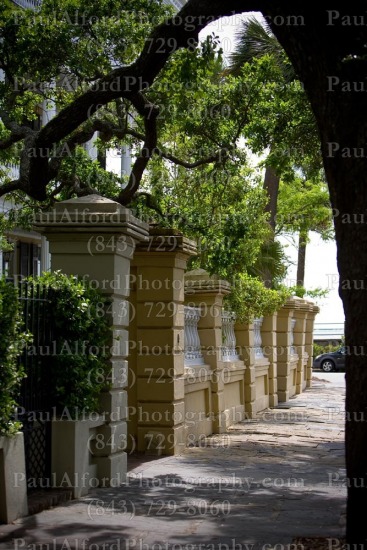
(228, 337)
(292, 347)
(257, 337)
(193, 355)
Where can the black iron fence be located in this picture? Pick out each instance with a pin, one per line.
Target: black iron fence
(35, 408)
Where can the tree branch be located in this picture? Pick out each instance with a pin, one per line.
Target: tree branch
(222, 154)
(150, 202)
(181, 31)
(216, 157)
(15, 185)
(17, 132)
(149, 112)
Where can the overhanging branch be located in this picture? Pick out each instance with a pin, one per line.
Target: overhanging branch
(218, 156)
(128, 82)
(149, 112)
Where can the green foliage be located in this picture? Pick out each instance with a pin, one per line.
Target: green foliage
(281, 119)
(271, 262)
(221, 204)
(53, 54)
(250, 299)
(4, 225)
(80, 170)
(224, 214)
(302, 292)
(75, 37)
(79, 368)
(12, 341)
(304, 205)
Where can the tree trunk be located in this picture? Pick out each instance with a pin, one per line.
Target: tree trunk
(352, 263)
(271, 186)
(301, 261)
(330, 61)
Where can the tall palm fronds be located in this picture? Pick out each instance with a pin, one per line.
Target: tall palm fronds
(254, 40)
(270, 265)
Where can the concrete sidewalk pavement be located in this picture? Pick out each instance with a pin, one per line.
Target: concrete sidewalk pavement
(259, 486)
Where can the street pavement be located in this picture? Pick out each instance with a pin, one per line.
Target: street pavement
(263, 484)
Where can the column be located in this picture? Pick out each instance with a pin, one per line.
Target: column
(300, 314)
(95, 238)
(245, 337)
(310, 321)
(159, 268)
(286, 361)
(269, 340)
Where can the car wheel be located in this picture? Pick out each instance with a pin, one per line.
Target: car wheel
(327, 365)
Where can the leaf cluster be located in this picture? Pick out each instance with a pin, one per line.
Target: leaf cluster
(78, 370)
(12, 341)
(250, 299)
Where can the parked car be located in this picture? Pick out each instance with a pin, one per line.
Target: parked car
(328, 362)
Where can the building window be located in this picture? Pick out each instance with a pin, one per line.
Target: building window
(29, 259)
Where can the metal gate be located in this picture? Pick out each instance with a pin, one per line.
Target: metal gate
(35, 408)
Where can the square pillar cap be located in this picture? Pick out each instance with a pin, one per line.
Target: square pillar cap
(294, 302)
(199, 281)
(166, 239)
(91, 213)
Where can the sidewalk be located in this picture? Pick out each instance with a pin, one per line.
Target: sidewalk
(262, 485)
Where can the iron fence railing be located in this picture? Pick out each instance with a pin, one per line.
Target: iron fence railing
(34, 410)
(37, 317)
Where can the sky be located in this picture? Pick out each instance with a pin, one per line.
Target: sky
(321, 272)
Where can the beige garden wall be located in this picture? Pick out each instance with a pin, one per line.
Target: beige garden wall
(294, 337)
(227, 370)
(171, 387)
(189, 370)
(196, 371)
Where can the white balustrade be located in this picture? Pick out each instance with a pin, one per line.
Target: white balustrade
(193, 355)
(229, 337)
(30, 4)
(291, 337)
(259, 354)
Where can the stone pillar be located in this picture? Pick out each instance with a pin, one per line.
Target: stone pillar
(269, 340)
(95, 238)
(159, 268)
(13, 484)
(132, 390)
(300, 314)
(246, 343)
(286, 361)
(313, 311)
(208, 292)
